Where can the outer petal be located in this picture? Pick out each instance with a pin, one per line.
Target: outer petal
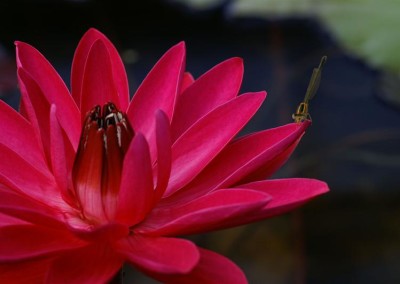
(20, 242)
(98, 86)
(93, 264)
(118, 71)
(157, 92)
(26, 272)
(54, 88)
(163, 154)
(6, 220)
(205, 139)
(23, 178)
(17, 135)
(136, 191)
(287, 194)
(207, 213)
(259, 154)
(187, 80)
(28, 210)
(159, 255)
(214, 88)
(36, 109)
(211, 269)
(62, 155)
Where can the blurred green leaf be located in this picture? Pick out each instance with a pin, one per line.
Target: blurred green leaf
(367, 28)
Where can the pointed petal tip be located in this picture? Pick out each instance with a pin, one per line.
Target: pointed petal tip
(305, 124)
(257, 96)
(323, 188)
(181, 44)
(160, 114)
(20, 44)
(179, 48)
(237, 60)
(93, 31)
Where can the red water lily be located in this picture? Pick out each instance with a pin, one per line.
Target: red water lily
(90, 180)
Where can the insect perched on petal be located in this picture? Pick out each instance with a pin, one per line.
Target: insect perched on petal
(302, 110)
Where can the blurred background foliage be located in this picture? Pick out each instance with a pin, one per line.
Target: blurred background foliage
(350, 235)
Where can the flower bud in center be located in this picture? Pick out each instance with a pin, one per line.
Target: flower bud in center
(97, 168)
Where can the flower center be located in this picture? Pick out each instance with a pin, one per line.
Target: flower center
(97, 168)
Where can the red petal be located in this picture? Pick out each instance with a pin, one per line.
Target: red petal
(17, 175)
(28, 210)
(160, 255)
(26, 272)
(118, 71)
(98, 86)
(214, 88)
(187, 80)
(53, 87)
(208, 136)
(62, 155)
(87, 175)
(211, 269)
(163, 154)
(22, 242)
(37, 109)
(136, 192)
(157, 92)
(210, 212)
(265, 150)
(18, 136)
(6, 220)
(91, 264)
(287, 194)
(108, 232)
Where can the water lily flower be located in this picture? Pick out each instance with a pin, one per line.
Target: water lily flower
(90, 180)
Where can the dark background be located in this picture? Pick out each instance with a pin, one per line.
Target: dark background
(350, 235)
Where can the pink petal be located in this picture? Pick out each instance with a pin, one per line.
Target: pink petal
(98, 86)
(268, 169)
(92, 264)
(35, 107)
(87, 176)
(55, 91)
(211, 269)
(187, 80)
(6, 220)
(24, 272)
(28, 210)
(265, 150)
(204, 214)
(23, 242)
(61, 155)
(157, 92)
(19, 176)
(214, 88)
(106, 233)
(159, 255)
(136, 191)
(208, 136)
(17, 135)
(118, 71)
(163, 166)
(287, 194)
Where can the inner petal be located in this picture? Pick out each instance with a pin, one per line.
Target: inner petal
(96, 174)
